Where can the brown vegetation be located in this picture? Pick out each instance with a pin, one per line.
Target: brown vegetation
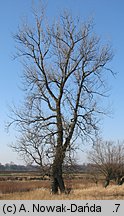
(92, 192)
(83, 187)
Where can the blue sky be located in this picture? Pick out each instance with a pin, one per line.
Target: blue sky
(108, 18)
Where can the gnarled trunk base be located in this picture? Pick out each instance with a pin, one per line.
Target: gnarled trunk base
(57, 184)
(57, 179)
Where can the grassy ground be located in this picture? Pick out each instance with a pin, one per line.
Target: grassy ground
(91, 193)
(83, 188)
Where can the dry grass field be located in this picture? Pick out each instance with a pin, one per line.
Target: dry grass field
(83, 188)
(91, 193)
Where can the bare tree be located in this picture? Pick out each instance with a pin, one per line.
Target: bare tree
(64, 78)
(108, 158)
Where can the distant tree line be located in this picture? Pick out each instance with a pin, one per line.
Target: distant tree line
(15, 167)
(67, 169)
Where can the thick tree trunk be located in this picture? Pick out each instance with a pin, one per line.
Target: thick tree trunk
(107, 181)
(57, 178)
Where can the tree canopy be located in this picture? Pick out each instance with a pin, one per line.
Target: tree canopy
(65, 66)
